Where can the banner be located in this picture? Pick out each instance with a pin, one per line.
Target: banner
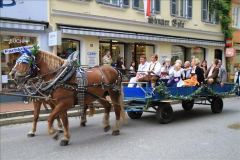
(14, 50)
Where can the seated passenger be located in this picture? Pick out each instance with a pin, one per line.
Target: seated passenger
(165, 70)
(196, 76)
(222, 75)
(212, 73)
(187, 69)
(179, 61)
(142, 71)
(154, 70)
(176, 76)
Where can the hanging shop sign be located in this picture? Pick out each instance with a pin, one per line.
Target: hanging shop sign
(92, 58)
(55, 38)
(229, 42)
(165, 22)
(14, 50)
(163, 58)
(230, 52)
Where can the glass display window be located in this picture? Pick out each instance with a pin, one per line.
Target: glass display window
(8, 60)
(178, 52)
(67, 48)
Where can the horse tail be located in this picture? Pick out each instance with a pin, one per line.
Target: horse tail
(121, 105)
(91, 111)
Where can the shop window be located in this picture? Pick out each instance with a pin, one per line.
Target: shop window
(8, 60)
(116, 49)
(206, 15)
(181, 8)
(67, 48)
(141, 49)
(197, 52)
(139, 4)
(236, 16)
(178, 52)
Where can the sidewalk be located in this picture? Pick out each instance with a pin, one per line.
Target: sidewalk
(16, 106)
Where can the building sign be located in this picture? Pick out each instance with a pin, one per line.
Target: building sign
(55, 38)
(14, 40)
(14, 50)
(13, 3)
(92, 58)
(164, 22)
(229, 42)
(230, 52)
(177, 54)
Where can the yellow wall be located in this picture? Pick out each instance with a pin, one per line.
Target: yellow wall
(93, 8)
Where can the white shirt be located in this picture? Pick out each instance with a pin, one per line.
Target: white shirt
(142, 68)
(157, 68)
(178, 73)
(105, 59)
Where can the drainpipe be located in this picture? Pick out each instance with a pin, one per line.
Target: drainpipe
(51, 25)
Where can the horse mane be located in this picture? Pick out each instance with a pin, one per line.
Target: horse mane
(52, 61)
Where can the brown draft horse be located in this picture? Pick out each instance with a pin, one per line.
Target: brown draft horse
(48, 62)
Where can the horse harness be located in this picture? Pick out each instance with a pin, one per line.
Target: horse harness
(65, 72)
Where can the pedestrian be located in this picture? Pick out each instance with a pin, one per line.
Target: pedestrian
(237, 80)
(120, 65)
(107, 59)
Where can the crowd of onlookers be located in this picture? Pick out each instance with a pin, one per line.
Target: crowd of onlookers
(188, 74)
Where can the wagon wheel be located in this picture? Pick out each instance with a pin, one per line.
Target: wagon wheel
(187, 105)
(134, 115)
(217, 105)
(164, 113)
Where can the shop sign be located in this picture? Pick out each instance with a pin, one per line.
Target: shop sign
(55, 38)
(4, 78)
(14, 40)
(177, 54)
(13, 3)
(229, 42)
(14, 50)
(92, 58)
(165, 22)
(230, 52)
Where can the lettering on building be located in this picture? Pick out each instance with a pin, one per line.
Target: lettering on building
(164, 22)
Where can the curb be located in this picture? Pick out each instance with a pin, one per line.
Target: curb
(42, 117)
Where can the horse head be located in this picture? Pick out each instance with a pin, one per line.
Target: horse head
(23, 69)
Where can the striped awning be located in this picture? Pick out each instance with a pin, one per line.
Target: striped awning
(139, 36)
(21, 25)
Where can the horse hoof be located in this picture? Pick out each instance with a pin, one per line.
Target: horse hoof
(107, 128)
(83, 124)
(55, 135)
(63, 143)
(115, 133)
(60, 131)
(31, 135)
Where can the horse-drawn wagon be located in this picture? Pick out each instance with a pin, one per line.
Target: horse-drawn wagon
(140, 99)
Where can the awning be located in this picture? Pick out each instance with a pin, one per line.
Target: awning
(139, 36)
(14, 23)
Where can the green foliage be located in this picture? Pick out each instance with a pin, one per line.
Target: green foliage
(162, 89)
(222, 9)
(34, 52)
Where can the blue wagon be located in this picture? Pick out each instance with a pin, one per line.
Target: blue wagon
(137, 98)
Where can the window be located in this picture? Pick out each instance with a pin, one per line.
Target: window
(139, 4)
(206, 15)
(67, 48)
(178, 52)
(181, 8)
(120, 3)
(236, 16)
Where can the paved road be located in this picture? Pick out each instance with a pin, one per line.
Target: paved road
(196, 134)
